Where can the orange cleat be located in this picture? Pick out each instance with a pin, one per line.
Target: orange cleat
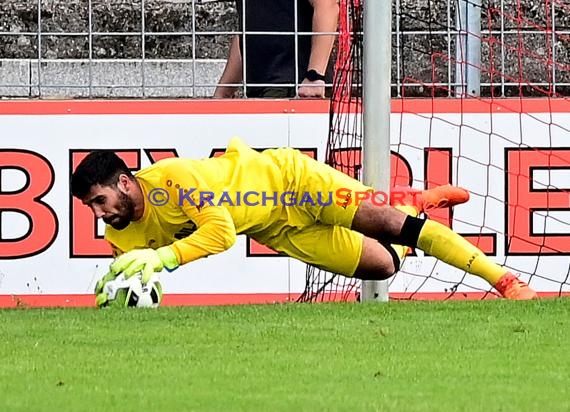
(425, 200)
(511, 287)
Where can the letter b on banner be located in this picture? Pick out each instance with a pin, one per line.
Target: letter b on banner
(26, 200)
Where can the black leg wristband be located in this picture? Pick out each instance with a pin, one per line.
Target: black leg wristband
(410, 232)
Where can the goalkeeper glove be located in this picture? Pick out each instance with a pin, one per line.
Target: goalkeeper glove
(146, 261)
(101, 299)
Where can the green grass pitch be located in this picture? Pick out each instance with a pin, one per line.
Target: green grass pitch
(399, 356)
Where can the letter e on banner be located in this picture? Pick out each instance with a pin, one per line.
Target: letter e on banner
(528, 201)
(84, 240)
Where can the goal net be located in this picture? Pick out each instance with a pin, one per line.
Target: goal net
(479, 100)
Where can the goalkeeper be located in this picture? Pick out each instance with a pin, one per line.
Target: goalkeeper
(160, 218)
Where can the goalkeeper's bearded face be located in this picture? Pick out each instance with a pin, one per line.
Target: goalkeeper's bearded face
(115, 207)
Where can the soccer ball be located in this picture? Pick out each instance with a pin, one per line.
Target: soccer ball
(132, 293)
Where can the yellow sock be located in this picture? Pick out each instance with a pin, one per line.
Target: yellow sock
(446, 245)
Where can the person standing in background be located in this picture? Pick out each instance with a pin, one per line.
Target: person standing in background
(270, 58)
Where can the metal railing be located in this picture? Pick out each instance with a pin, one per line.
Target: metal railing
(153, 48)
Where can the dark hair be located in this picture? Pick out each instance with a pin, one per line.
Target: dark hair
(100, 167)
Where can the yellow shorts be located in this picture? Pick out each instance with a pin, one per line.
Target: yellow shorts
(316, 230)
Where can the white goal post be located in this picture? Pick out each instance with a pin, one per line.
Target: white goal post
(376, 112)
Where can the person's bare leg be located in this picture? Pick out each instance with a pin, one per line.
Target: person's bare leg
(388, 224)
(412, 202)
(378, 222)
(377, 262)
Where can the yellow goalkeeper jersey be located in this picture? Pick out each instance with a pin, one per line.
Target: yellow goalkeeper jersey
(199, 206)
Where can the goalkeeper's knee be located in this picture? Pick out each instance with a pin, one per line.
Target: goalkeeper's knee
(373, 263)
